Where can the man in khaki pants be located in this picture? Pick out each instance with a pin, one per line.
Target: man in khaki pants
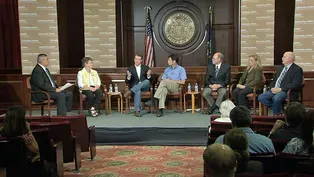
(173, 76)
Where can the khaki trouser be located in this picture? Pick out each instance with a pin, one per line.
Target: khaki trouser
(207, 95)
(164, 87)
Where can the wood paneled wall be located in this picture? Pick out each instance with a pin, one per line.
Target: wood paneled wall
(13, 88)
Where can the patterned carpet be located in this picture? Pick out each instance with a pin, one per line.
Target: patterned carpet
(141, 161)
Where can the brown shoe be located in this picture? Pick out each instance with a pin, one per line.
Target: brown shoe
(138, 114)
(127, 93)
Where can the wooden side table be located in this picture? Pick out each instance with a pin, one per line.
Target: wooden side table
(192, 98)
(120, 100)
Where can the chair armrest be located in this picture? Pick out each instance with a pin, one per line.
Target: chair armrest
(44, 92)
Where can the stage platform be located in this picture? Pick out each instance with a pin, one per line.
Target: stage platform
(171, 129)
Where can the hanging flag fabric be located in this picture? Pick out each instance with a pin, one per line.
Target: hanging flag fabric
(210, 41)
(148, 42)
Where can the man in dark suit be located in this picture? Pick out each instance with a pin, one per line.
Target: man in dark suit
(288, 76)
(41, 80)
(137, 76)
(217, 78)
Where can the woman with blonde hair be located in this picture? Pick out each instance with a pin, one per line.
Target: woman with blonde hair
(251, 77)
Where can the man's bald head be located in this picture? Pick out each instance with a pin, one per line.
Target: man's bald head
(220, 161)
(288, 58)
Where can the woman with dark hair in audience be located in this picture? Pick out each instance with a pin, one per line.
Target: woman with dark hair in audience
(16, 126)
(237, 140)
(303, 144)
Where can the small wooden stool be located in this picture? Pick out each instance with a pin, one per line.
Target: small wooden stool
(120, 98)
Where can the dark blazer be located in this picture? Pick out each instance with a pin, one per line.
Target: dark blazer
(222, 78)
(134, 77)
(292, 80)
(253, 78)
(40, 82)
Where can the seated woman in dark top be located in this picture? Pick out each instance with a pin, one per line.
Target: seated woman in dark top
(251, 77)
(237, 140)
(289, 129)
(303, 144)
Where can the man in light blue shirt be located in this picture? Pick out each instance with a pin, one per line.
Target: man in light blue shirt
(172, 78)
(241, 118)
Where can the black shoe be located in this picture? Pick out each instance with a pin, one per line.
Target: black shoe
(212, 109)
(160, 113)
(150, 102)
(138, 114)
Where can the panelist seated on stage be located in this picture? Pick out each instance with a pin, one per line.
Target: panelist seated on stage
(173, 76)
(41, 80)
(217, 78)
(138, 77)
(288, 76)
(89, 82)
(251, 77)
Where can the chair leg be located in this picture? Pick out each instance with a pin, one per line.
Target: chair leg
(42, 110)
(254, 107)
(30, 109)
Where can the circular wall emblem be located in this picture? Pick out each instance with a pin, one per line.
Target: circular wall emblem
(179, 28)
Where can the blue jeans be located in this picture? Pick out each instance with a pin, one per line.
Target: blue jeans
(137, 89)
(273, 101)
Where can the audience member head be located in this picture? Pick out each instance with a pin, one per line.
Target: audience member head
(220, 161)
(294, 113)
(14, 122)
(306, 128)
(288, 58)
(138, 59)
(237, 140)
(87, 62)
(173, 60)
(217, 58)
(240, 117)
(255, 61)
(43, 59)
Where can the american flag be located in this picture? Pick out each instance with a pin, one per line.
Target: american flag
(149, 46)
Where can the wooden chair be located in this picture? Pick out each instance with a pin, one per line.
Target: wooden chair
(252, 96)
(214, 94)
(288, 162)
(83, 98)
(84, 134)
(268, 160)
(145, 96)
(265, 175)
(61, 132)
(31, 103)
(176, 96)
(49, 150)
(300, 99)
(264, 109)
(14, 157)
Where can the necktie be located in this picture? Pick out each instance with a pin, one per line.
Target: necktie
(50, 78)
(216, 71)
(281, 77)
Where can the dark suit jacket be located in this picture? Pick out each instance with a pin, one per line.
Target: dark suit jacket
(222, 78)
(292, 80)
(253, 78)
(40, 82)
(134, 77)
